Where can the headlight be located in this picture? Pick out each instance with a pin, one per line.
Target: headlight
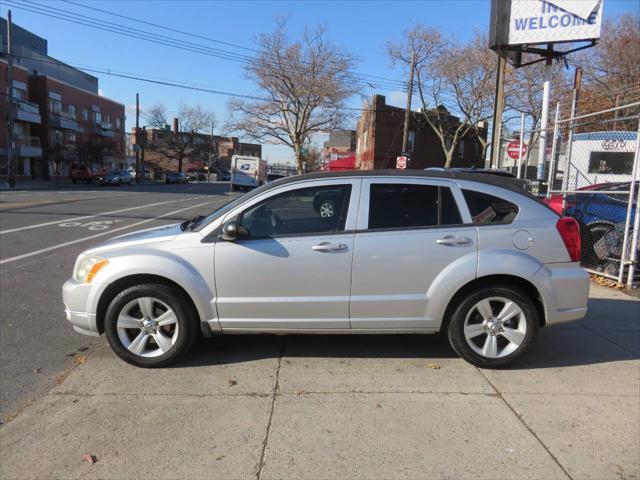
(87, 267)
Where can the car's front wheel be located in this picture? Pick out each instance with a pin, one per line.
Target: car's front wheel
(150, 325)
(493, 326)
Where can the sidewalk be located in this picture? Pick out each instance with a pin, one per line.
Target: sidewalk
(361, 406)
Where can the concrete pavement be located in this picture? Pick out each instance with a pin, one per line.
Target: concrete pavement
(348, 407)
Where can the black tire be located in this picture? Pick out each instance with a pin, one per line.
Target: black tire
(187, 323)
(456, 325)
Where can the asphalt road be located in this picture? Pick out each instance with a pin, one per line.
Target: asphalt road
(41, 234)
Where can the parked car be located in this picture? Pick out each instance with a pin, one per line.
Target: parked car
(224, 176)
(272, 177)
(176, 178)
(117, 177)
(405, 252)
(599, 211)
(83, 173)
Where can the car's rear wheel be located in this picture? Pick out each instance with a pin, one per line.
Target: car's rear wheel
(493, 326)
(150, 325)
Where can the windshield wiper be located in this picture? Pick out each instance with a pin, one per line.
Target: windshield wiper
(191, 223)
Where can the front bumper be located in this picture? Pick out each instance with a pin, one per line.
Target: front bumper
(79, 306)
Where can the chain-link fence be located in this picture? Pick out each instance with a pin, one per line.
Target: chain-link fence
(592, 173)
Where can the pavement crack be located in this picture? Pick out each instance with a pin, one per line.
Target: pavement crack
(271, 408)
(521, 420)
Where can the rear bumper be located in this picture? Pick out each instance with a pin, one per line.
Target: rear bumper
(564, 289)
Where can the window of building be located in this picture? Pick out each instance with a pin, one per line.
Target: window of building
(118, 123)
(617, 163)
(72, 110)
(57, 137)
(72, 137)
(305, 211)
(411, 139)
(19, 94)
(411, 206)
(486, 209)
(55, 105)
(461, 149)
(97, 117)
(85, 114)
(108, 119)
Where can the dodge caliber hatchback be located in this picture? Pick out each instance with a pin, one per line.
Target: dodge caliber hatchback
(397, 252)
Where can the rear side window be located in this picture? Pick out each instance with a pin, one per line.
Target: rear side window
(486, 209)
(411, 206)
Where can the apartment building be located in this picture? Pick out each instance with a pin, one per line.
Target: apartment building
(59, 117)
(163, 149)
(379, 140)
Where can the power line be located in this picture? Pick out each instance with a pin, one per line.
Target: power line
(124, 30)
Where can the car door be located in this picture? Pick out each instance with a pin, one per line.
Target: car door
(293, 271)
(409, 232)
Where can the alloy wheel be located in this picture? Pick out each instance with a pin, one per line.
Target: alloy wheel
(147, 327)
(327, 209)
(495, 327)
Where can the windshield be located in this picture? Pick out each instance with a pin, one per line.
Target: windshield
(115, 172)
(230, 205)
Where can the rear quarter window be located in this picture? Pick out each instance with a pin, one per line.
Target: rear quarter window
(487, 209)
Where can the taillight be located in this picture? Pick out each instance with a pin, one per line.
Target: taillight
(569, 230)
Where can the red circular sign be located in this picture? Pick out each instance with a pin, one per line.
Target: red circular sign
(513, 149)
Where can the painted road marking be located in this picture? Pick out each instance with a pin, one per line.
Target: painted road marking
(78, 240)
(55, 222)
(95, 225)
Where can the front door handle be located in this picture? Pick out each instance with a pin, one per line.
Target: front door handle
(329, 247)
(451, 240)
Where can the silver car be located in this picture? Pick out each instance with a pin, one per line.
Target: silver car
(399, 252)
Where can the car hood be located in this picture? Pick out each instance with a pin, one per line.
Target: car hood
(165, 233)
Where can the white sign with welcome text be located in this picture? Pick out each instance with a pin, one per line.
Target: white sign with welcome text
(540, 21)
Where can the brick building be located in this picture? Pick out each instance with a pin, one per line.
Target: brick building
(161, 157)
(379, 140)
(59, 117)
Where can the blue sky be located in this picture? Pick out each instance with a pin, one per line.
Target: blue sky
(362, 27)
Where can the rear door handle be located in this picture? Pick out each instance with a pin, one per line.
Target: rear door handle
(451, 240)
(329, 247)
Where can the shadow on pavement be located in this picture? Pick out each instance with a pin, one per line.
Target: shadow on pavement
(583, 342)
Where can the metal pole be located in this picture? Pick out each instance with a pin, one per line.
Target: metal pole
(627, 222)
(210, 154)
(520, 153)
(498, 107)
(407, 112)
(143, 144)
(10, 166)
(137, 138)
(574, 108)
(552, 160)
(542, 143)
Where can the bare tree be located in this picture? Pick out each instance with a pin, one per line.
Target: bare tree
(305, 85)
(523, 94)
(189, 141)
(454, 81)
(156, 117)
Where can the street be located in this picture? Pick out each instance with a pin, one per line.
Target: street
(41, 234)
(317, 406)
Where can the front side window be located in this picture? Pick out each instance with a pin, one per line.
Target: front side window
(411, 206)
(313, 210)
(486, 209)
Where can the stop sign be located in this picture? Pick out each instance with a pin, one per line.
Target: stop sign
(513, 149)
(401, 163)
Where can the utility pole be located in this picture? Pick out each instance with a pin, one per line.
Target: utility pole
(137, 138)
(10, 169)
(407, 113)
(498, 108)
(210, 153)
(143, 144)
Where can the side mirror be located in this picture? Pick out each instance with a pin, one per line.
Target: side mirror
(232, 231)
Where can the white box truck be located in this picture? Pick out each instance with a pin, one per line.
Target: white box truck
(247, 172)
